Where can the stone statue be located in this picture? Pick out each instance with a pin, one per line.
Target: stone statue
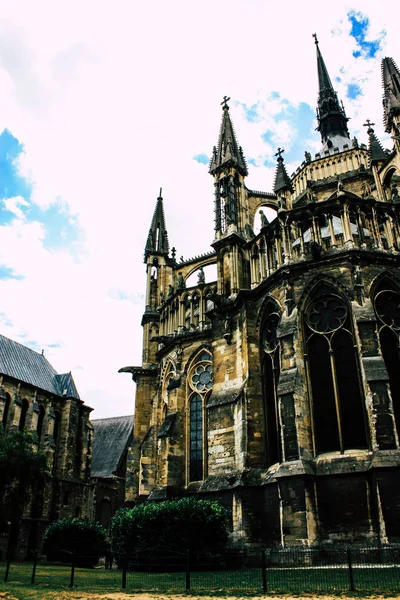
(394, 193)
(170, 291)
(264, 220)
(181, 283)
(307, 156)
(201, 277)
(355, 142)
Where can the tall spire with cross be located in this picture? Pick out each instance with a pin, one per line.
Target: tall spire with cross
(376, 152)
(282, 179)
(332, 120)
(391, 92)
(157, 240)
(228, 152)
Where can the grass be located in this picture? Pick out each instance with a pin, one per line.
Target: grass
(51, 580)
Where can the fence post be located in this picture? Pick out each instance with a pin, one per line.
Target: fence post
(264, 571)
(71, 581)
(124, 569)
(7, 567)
(187, 570)
(351, 574)
(35, 557)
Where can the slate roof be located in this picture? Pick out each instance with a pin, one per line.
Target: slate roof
(30, 367)
(112, 437)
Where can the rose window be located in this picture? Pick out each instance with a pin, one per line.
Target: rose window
(327, 314)
(202, 378)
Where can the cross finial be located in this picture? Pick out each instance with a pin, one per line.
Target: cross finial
(279, 153)
(224, 102)
(315, 38)
(369, 125)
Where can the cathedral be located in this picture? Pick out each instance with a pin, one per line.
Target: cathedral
(275, 388)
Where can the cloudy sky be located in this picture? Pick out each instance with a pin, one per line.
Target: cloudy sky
(103, 102)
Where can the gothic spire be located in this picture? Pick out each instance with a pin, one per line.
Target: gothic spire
(228, 153)
(391, 91)
(376, 152)
(332, 120)
(282, 179)
(157, 240)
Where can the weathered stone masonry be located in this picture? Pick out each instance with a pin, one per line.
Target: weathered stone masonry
(276, 388)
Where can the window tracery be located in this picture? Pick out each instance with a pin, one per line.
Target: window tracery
(387, 308)
(200, 380)
(336, 400)
(270, 376)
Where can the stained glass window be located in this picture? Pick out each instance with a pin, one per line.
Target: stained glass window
(196, 438)
(200, 381)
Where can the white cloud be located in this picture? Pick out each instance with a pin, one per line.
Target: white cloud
(112, 101)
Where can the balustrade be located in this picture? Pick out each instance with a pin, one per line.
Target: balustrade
(333, 227)
(186, 310)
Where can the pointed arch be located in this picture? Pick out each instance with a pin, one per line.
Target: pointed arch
(270, 369)
(6, 410)
(199, 385)
(386, 302)
(332, 365)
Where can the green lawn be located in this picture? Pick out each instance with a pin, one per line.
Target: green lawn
(52, 579)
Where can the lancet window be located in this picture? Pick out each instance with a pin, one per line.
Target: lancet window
(387, 308)
(336, 398)
(200, 380)
(270, 360)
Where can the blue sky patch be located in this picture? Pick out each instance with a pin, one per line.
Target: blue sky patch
(61, 230)
(202, 158)
(353, 91)
(359, 31)
(11, 183)
(7, 273)
(251, 113)
(302, 118)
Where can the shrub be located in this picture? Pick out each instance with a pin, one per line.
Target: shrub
(67, 537)
(172, 525)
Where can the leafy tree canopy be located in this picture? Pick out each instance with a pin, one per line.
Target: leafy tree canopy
(67, 537)
(188, 523)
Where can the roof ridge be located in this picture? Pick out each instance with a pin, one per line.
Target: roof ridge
(109, 418)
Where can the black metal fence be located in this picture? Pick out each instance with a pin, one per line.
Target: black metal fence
(294, 570)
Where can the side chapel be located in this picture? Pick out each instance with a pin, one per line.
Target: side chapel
(276, 388)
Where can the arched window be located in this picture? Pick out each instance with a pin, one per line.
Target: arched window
(22, 418)
(270, 375)
(196, 309)
(338, 412)
(6, 411)
(387, 307)
(39, 427)
(200, 384)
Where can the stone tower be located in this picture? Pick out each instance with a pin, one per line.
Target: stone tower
(276, 388)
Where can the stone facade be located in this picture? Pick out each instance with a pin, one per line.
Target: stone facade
(275, 388)
(34, 398)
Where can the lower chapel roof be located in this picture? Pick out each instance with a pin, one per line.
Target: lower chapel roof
(111, 439)
(26, 365)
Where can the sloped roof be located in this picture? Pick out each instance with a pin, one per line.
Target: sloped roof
(30, 367)
(111, 438)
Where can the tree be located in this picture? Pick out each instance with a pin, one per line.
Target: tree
(72, 537)
(177, 525)
(22, 469)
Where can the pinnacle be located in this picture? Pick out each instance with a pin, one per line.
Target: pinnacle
(228, 152)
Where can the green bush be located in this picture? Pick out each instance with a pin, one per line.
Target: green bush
(66, 538)
(172, 525)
